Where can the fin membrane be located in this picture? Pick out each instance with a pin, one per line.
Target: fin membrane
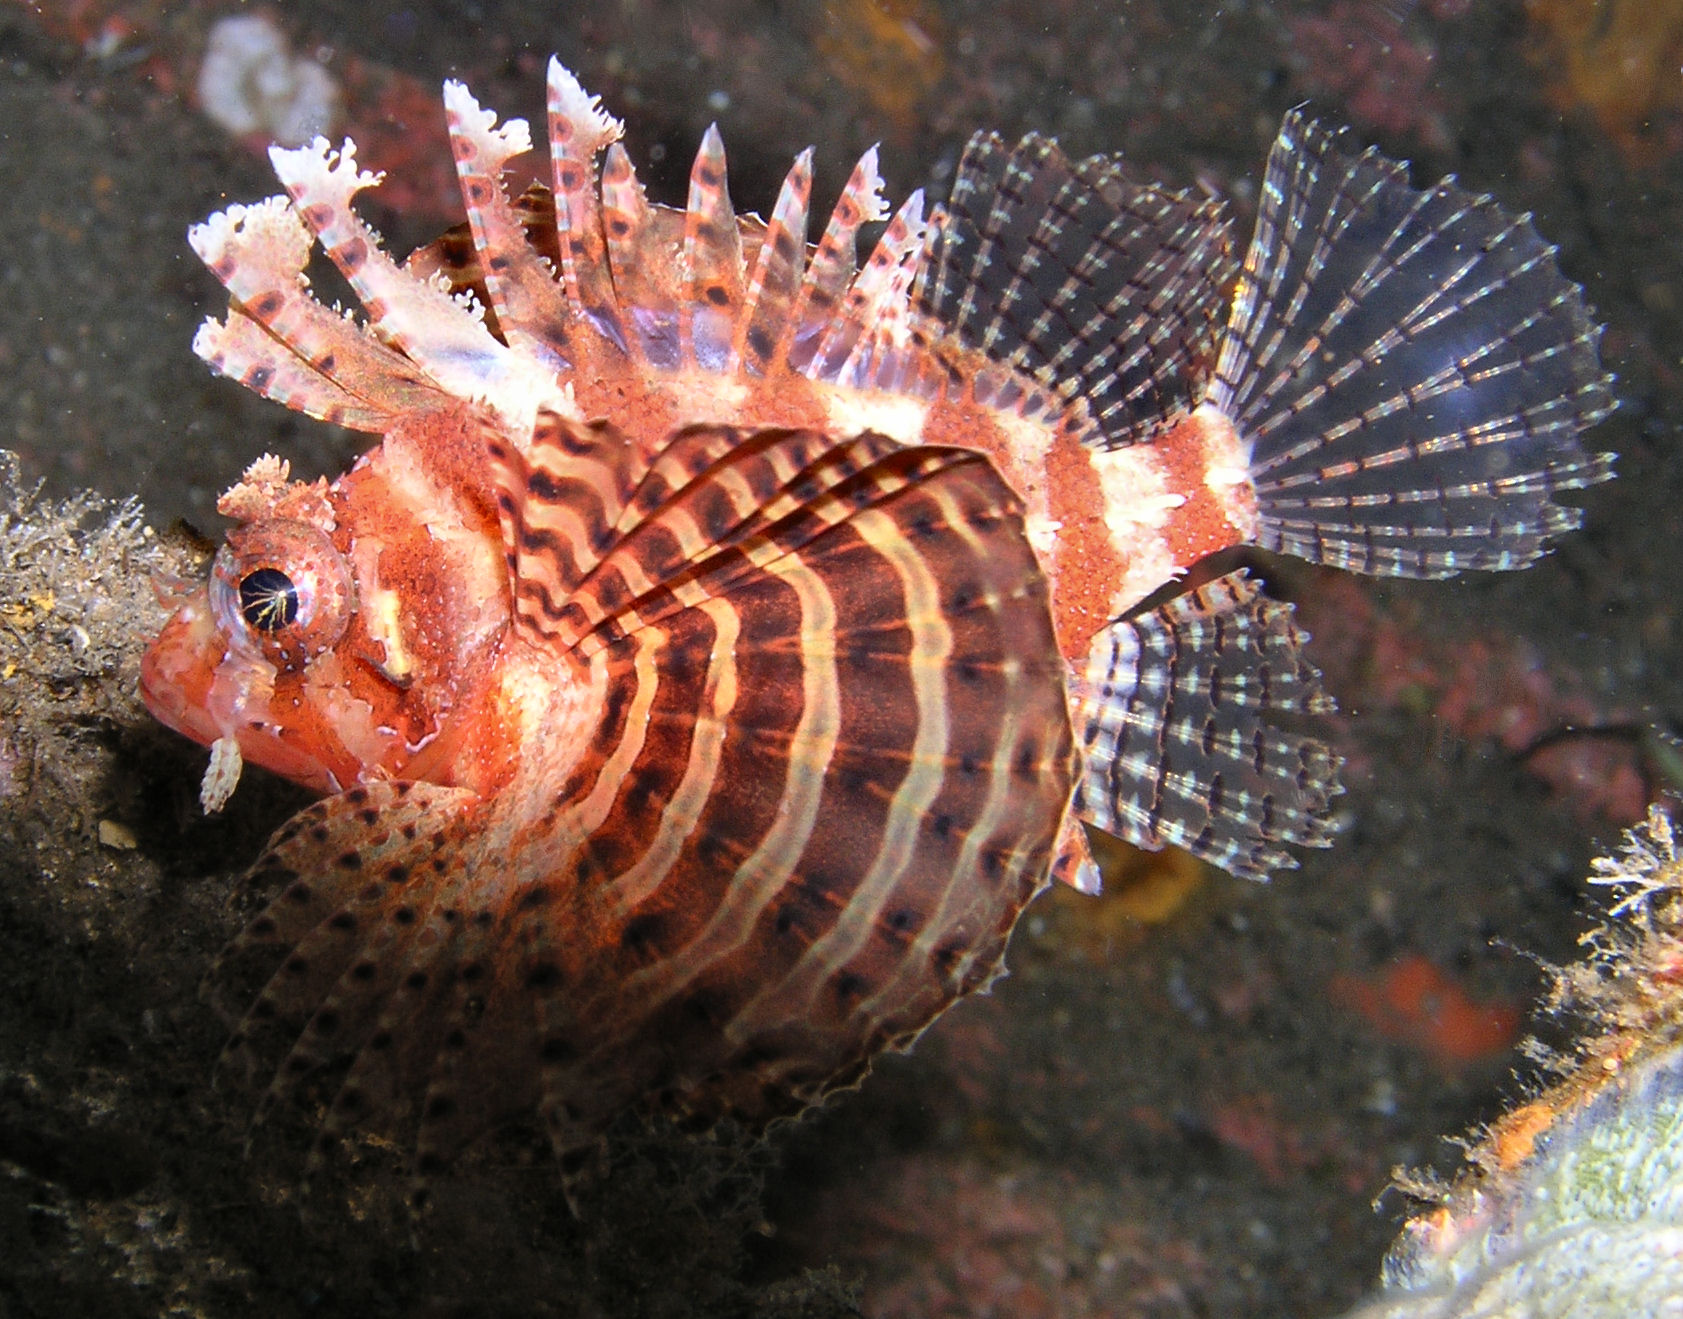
(351, 988)
(604, 541)
(834, 760)
(1174, 711)
(1101, 288)
(1410, 369)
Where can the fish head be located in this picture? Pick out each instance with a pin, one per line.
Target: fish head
(344, 630)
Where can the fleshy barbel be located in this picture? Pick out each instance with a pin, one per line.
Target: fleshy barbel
(727, 639)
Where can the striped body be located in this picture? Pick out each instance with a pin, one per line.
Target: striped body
(717, 841)
(726, 640)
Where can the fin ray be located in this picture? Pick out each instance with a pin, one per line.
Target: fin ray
(315, 359)
(712, 261)
(1103, 290)
(824, 792)
(579, 131)
(768, 313)
(348, 924)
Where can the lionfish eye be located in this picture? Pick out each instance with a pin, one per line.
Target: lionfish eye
(281, 588)
(268, 599)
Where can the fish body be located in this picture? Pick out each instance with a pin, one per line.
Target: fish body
(726, 639)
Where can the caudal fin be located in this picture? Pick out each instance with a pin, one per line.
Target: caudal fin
(1410, 369)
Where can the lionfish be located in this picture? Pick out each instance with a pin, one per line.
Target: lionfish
(726, 639)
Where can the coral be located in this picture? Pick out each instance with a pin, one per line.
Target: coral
(887, 50)
(75, 608)
(245, 73)
(253, 85)
(1025, 1243)
(1367, 56)
(1141, 889)
(1490, 687)
(1414, 1001)
(1262, 1127)
(1618, 60)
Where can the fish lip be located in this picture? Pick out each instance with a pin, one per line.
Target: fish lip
(167, 701)
(176, 669)
(160, 700)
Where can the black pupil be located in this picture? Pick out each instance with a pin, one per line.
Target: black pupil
(268, 600)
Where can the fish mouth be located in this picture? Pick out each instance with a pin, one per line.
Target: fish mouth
(196, 685)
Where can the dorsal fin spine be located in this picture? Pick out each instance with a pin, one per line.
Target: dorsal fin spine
(628, 226)
(281, 342)
(435, 331)
(831, 268)
(766, 325)
(579, 131)
(876, 313)
(532, 311)
(713, 270)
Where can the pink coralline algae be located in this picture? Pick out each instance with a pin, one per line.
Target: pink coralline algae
(1363, 55)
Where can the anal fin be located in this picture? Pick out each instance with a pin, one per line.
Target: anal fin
(1174, 712)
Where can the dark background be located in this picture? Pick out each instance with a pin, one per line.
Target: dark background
(1187, 1097)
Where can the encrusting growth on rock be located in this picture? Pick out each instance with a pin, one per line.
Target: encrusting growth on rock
(1572, 1204)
